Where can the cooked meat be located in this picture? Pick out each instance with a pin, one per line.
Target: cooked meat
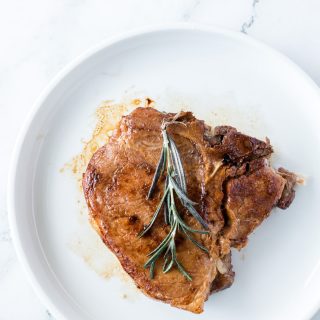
(250, 199)
(227, 174)
(116, 184)
(237, 147)
(225, 275)
(288, 193)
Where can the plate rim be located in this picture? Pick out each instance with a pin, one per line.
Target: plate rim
(68, 69)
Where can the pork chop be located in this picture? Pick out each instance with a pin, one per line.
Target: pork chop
(227, 174)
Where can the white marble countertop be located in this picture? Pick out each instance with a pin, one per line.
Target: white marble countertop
(39, 37)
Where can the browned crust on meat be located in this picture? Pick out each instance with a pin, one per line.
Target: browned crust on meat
(288, 194)
(228, 175)
(225, 277)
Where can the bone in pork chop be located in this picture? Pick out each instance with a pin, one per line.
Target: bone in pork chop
(229, 177)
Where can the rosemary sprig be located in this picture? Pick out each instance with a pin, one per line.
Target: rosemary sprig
(174, 187)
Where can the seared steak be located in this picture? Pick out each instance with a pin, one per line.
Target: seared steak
(227, 174)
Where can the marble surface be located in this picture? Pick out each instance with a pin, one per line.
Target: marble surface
(39, 37)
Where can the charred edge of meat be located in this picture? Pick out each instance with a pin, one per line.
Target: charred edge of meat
(223, 280)
(236, 148)
(288, 193)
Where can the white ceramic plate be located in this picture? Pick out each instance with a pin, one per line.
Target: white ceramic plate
(221, 76)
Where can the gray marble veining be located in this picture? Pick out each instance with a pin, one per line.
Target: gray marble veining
(251, 20)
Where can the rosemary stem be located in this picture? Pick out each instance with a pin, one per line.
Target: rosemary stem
(170, 164)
